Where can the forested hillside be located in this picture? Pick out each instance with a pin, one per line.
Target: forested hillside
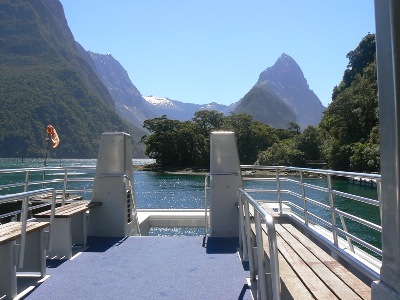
(44, 80)
(350, 126)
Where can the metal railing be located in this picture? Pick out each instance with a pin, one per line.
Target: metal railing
(265, 285)
(322, 204)
(66, 181)
(206, 203)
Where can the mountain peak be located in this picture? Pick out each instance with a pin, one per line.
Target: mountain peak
(285, 57)
(285, 81)
(284, 69)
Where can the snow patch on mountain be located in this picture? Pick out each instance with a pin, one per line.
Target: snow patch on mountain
(159, 101)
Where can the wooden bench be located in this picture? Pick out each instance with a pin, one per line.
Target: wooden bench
(308, 272)
(34, 255)
(68, 227)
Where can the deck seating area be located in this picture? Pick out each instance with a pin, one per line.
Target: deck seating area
(34, 262)
(69, 227)
(308, 272)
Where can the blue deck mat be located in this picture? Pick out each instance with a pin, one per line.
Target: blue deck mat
(149, 268)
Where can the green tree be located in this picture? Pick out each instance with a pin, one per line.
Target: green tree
(208, 120)
(252, 136)
(162, 144)
(309, 142)
(365, 157)
(294, 127)
(282, 153)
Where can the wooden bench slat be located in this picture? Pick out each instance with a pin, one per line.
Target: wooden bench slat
(12, 230)
(290, 282)
(335, 284)
(357, 285)
(69, 210)
(306, 275)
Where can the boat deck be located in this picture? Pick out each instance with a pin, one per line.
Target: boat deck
(179, 267)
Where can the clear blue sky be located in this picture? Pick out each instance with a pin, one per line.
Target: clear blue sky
(203, 51)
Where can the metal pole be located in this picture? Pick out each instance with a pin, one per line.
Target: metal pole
(349, 242)
(387, 20)
(278, 189)
(242, 231)
(26, 187)
(262, 280)
(206, 204)
(303, 197)
(332, 208)
(249, 242)
(45, 159)
(24, 220)
(65, 186)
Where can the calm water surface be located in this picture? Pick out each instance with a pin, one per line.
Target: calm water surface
(163, 191)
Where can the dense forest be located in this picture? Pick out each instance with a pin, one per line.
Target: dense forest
(347, 138)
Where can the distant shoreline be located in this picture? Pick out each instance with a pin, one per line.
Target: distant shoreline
(198, 171)
(172, 170)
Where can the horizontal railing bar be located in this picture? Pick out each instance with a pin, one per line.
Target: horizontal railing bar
(293, 194)
(316, 171)
(13, 213)
(293, 181)
(264, 179)
(324, 206)
(80, 179)
(41, 169)
(360, 241)
(320, 219)
(18, 196)
(355, 197)
(316, 187)
(296, 206)
(359, 220)
(259, 191)
(76, 191)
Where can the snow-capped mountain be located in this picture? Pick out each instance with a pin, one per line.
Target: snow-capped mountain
(129, 102)
(158, 101)
(181, 111)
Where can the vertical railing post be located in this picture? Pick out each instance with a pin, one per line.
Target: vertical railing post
(65, 185)
(52, 216)
(206, 205)
(253, 273)
(278, 190)
(26, 186)
(24, 221)
(262, 282)
(303, 197)
(332, 209)
(378, 189)
(242, 231)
